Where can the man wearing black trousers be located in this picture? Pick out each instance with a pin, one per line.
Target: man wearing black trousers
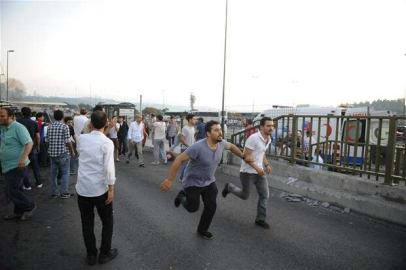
(122, 136)
(95, 188)
(203, 158)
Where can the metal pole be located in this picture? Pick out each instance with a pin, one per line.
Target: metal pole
(7, 79)
(224, 69)
(141, 104)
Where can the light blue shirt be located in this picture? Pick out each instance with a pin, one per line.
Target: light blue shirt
(13, 140)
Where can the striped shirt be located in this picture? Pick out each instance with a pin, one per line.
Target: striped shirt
(57, 137)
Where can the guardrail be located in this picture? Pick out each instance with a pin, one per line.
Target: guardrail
(364, 145)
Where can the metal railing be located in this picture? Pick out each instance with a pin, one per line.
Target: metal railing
(368, 146)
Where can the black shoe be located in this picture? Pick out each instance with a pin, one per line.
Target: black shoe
(225, 191)
(127, 161)
(206, 235)
(262, 224)
(91, 259)
(177, 199)
(56, 195)
(65, 195)
(142, 165)
(103, 258)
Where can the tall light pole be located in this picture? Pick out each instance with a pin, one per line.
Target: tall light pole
(0, 83)
(224, 69)
(9, 51)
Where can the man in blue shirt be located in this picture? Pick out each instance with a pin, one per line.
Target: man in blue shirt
(16, 145)
(201, 133)
(203, 158)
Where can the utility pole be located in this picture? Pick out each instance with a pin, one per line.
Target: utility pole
(224, 68)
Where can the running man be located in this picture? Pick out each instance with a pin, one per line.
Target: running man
(203, 158)
(253, 173)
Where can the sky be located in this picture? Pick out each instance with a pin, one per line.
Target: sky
(279, 52)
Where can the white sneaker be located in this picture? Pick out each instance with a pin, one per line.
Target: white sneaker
(26, 188)
(155, 163)
(39, 186)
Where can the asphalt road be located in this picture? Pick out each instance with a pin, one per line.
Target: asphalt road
(150, 233)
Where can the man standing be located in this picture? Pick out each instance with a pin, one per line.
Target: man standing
(122, 136)
(95, 188)
(136, 135)
(204, 157)
(79, 121)
(58, 142)
(187, 137)
(113, 136)
(200, 134)
(15, 147)
(42, 155)
(172, 130)
(73, 138)
(253, 173)
(159, 128)
(33, 130)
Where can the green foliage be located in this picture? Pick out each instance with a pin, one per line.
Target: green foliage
(396, 106)
(149, 110)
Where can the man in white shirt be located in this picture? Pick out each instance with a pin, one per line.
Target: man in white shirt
(136, 134)
(159, 128)
(187, 137)
(95, 188)
(253, 173)
(79, 122)
(113, 136)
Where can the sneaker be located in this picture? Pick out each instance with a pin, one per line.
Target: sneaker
(65, 196)
(155, 163)
(56, 195)
(91, 259)
(142, 165)
(39, 186)
(26, 188)
(225, 191)
(72, 173)
(165, 162)
(103, 258)
(262, 224)
(27, 215)
(12, 216)
(206, 235)
(117, 160)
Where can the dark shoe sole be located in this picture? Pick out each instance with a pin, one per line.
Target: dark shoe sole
(262, 225)
(177, 202)
(205, 236)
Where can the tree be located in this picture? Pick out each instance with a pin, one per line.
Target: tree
(149, 110)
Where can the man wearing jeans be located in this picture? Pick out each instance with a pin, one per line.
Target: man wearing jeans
(159, 128)
(95, 188)
(136, 134)
(16, 144)
(253, 173)
(58, 141)
(199, 181)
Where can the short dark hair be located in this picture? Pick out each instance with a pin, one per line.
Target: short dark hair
(201, 119)
(83, 111)
(26, 112)
(98, 108)
(68, 118)
(172, 116)
(98, 119)
(160, 117)
(189, 116)
(10, 112)
(58, 115)
(264, 119)
(120, 117)
(249, 121)
(207, 127)
(39, 115)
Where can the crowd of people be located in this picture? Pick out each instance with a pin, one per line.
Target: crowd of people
(91, 147)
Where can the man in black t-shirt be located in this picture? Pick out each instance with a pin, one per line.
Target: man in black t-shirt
(33, 130)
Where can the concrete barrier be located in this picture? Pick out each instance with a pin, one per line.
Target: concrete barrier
(346, 191)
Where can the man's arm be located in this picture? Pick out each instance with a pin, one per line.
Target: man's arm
(235, 150)
(109, 169)
(183, 140)
(110, 126)
(24, 156)
(266, 165)
(166, 185)
(248, 152)
(37, 139)
(70, 146)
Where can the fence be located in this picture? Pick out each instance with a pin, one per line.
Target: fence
(363, 145)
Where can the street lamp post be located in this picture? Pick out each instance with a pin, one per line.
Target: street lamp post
(224, 69)
(9, 51)
(0, 83)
